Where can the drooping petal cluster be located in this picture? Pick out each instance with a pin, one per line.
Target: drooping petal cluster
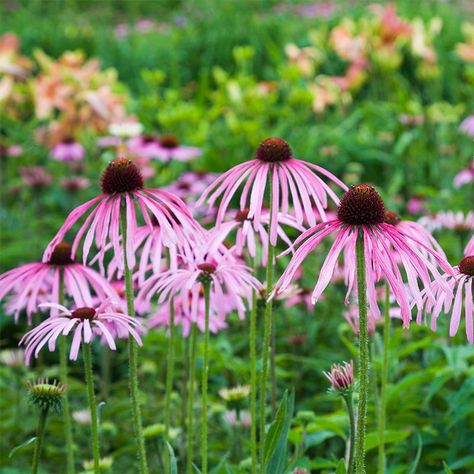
(361, 212)
(85, 323)
(292, 181)
(341, 376)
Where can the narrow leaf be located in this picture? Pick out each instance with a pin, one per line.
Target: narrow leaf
(172, 458)
(21, 446)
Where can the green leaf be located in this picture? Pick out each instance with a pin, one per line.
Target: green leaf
(21, 446)
(417, 457)
(341, 467)
(447, 469)
(277, 436)
(391, 436)
(172, 459)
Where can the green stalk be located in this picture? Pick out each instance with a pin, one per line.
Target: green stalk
(192, 380)
(253, 382)
(363, 355)
(132, 352)
(205, 375)
(350, 412)
(86, 350)
(383, 383)
(169, 371)
(63, 375)
(39, 439)
(266, 336)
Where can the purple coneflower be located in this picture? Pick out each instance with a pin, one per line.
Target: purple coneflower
(290, 179)
(362, 213)
(30, 283)
(122, 185)
(467, 125)
(452, 302)
(169, 149)
(86, 323)
(75, 183)
(464, 176)
(68, 150)
(35, 176)
(341, 376)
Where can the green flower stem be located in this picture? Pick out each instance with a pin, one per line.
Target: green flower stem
(253, 382)
(63, 375)
(192, 381)
(383, 383)
(205, 375)
(350, 412)
(86, 351)
(363, 355)
(169, 370)
(133, 352)
(39, 439)
(266, 337)
(273, 370)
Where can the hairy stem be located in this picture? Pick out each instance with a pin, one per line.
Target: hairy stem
(132, 352)
(253, 382)
(266, 336)
(205, 375)
(43, 416)
(169, 370)
(63, 375)
(383, 383)
(192, 381)
(86, 350)
(363, 355)
(352, 427)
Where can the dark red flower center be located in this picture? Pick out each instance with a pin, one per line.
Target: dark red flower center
(68, 140)
(273, 149)
(84, 313)
(392, 218)
(149, 138)
(466, 265)
(61, 254)
(121, 176)
(169, 141)
(242, 215)
(207, 267)
(361, 205)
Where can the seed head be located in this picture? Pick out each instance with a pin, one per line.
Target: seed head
(45, 395)
(361, 205)
(169, 141)
(242, 215)
(121, 176)
(273, 150)
(392, 218)
(84, 313)
(61, 254)
(466, 265)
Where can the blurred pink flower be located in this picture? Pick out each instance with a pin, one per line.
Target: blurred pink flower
(68, 150)
(75, 183)
(35, 176)
(467, 125)
(464, 176)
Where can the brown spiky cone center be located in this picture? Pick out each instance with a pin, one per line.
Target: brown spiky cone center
(361, 205)
(273, 150)
(121, 176)
(466, 265)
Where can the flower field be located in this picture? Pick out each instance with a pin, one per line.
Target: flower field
(237, 237)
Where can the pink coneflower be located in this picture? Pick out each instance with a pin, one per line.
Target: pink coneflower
(68, 150)
(29, 284)
(87, 324)
(108, 142)
(464, 176)
(75, 183)
(362, 212)
(341, 376)
(467, 125)
(248, 233)
(416, 205)
(169, 149)
(229, 279)
(122, 185)
(461, 282)
(289, 177)
(183, 316)
(457, 221)
(35, 176)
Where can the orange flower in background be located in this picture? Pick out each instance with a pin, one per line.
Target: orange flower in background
(348, 45)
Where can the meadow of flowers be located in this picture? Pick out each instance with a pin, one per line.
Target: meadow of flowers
(237, 237)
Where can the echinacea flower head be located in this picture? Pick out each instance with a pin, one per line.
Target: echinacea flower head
(45, 395)
(29, 284)
(292, 181)
(362, 212)
(122, 185)
(461, 294)
(68, 150)
(164, 148)
(35, 176)
(465, 176)
(341, 377)
(86, 323)
(75, 183)
(211, 264)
